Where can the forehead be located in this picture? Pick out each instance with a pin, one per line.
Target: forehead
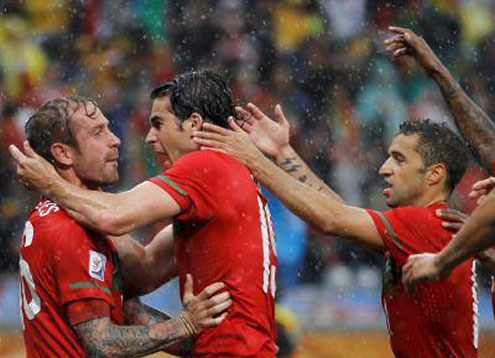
(87, 117)
(405, 144)
(161, 106)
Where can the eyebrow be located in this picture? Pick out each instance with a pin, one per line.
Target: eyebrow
(155, 119)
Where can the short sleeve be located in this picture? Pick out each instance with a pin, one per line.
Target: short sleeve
(398, 229)
(192, 183)
(83, 268)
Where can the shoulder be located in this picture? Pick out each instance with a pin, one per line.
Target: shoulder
(51, 223)
(206, 162)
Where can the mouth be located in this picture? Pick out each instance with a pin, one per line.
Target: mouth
(387, 190)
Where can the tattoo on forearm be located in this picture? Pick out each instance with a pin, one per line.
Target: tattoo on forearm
(102, 338)
(303, 178)
(474, 124)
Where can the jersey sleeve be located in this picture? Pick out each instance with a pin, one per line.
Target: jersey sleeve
(83, 270)
(399, 231)
(191, 182)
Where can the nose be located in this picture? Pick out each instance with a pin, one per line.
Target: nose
(385, 170)
(115, 141)
(150, 137)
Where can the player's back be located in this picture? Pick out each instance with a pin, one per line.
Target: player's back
(225, 234)
(440, 319)
(46, 332)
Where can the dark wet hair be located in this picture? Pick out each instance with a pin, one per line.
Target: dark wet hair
(51, 123)
(204, 92)
(439, 144)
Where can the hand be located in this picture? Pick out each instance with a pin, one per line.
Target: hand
(270, 136)
(480, 189)
(453, 219)
(407, 43)
(33, 170)
(234, 142)
(421, 267)
(202, 311)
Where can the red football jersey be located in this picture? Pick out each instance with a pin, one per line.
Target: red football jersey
(61, 263)
(441, 319)
(224, 233)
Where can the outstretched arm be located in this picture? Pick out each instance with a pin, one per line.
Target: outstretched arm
(113, 214)
(474, 124)
(272, 138)
(324, 212)
(103, 338)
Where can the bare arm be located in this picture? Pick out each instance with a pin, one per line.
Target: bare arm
(324, 212)
(156, 259)
(271, 136)
(137, 313)
(114, 214)
(474, 124)
(103, 338)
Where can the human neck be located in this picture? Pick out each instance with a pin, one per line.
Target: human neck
(71, 177)
(430, 198)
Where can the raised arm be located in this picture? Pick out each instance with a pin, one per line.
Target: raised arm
(101, 337)
(155, 259)
(272, 138)
(113, 214)
(474, 124)
(324, 212)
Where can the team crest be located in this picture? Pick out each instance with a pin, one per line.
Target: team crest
(97, 263)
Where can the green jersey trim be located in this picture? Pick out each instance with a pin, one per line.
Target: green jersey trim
(172, 184)
(89, 285)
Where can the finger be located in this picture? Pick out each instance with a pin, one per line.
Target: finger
(484, 184)
(208, 143)
(209, 135)
(210, 290)
(219, 150)
(257, 113)
(452, 217)
(395, 48)
(234, 125)
(477, 193)
(16, 153)
(218, 308)
(280, 116)
(245, 115)
(398, 29)
(394, 39)
(217, 299)
(245, 125)
(188, 287)
(452, 226)
(211, 322)
(400, 52)
(216, 129)
(28, 150)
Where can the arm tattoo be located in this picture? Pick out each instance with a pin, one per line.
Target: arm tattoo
(474, 124)
(102, 338)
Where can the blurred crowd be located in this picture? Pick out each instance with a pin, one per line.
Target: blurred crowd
(323, 60)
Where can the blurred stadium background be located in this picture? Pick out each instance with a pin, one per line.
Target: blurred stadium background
(323, 60)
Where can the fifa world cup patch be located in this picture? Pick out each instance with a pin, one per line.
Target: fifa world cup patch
(97, 263)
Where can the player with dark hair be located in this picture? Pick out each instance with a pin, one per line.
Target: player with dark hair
(222, 225)
(426, 160)
(72, 296)
(479, 131)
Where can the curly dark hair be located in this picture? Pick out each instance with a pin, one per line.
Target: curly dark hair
(204, 92)
(51, 123)
(439, 144)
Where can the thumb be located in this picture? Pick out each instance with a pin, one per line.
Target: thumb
(29, 150)
(16, 153)
(280, 117)
(188, 287)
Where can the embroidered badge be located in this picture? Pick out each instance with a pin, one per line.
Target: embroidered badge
(97, 264)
